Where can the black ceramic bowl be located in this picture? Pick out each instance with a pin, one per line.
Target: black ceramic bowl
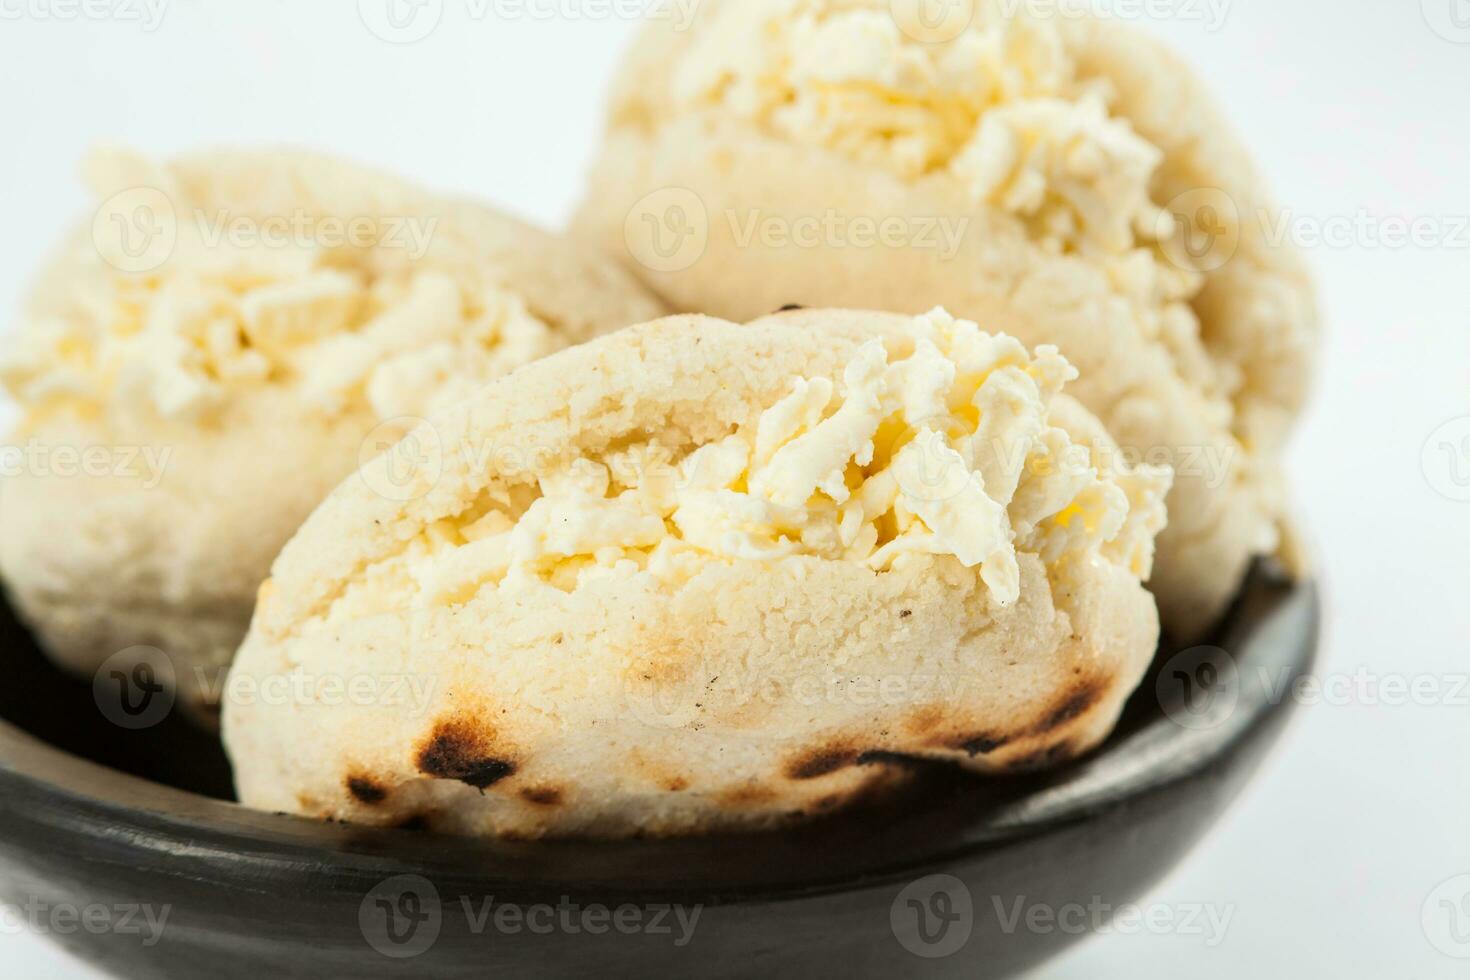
(131, 834)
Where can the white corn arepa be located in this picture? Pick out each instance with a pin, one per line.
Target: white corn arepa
(223, 343)
(1064, 178)
(695, 575)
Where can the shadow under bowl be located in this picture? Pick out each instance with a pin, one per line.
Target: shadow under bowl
(136, 829)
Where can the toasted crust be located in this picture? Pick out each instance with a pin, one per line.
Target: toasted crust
(754, 694)
(170, 555)
(1218, 403)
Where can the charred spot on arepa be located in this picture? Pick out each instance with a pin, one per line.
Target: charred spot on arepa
(366, 789)
(746, 794)
(821, 762)
(837, 756)
(878, 757)
(464, 749)
(1071, 706)
(980, 743)
(941, 731)
(925, 719)
(656, 770)
(542, 795)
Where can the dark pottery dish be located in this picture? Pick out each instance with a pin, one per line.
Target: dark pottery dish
(133, 833)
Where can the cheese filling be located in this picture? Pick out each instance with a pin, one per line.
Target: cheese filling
(943, 447)
(346, 319)
(998, 106)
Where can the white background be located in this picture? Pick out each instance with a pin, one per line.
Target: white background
(1354, 109)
